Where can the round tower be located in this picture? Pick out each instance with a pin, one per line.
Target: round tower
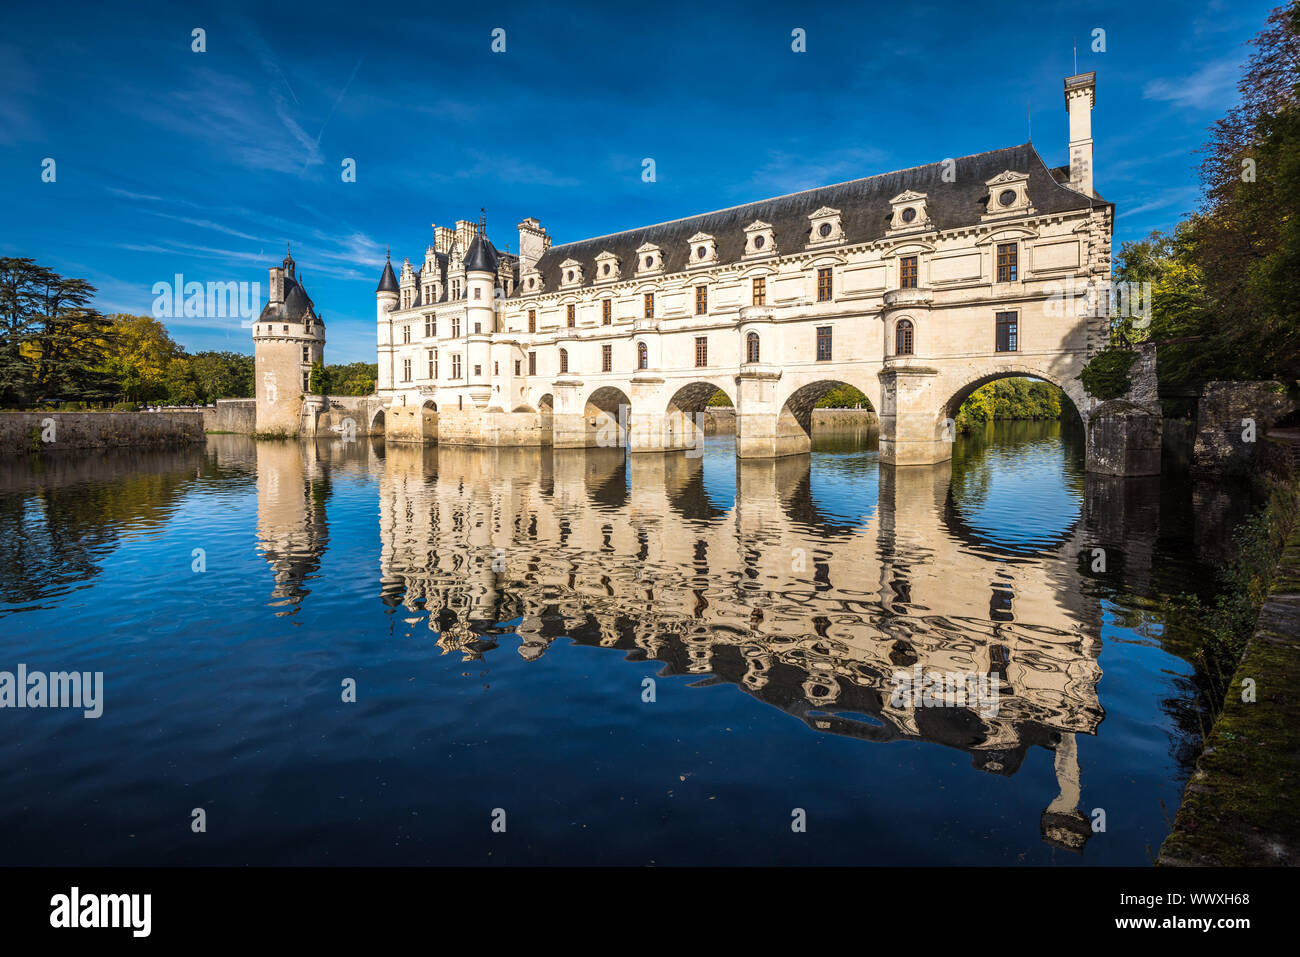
(287, 338)
(480, 316)
(385, 302)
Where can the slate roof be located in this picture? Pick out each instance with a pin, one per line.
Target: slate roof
(387, 281)
(482, 256)
(296, 306)
(863, 203)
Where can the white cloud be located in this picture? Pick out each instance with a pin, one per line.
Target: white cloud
(1212, 86)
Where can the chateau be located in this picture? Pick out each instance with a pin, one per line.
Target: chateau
(916, 287)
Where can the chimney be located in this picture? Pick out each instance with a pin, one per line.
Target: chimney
(443, 237)
(1080, 95)
(465, 233)
(276, 295)
(533, 242)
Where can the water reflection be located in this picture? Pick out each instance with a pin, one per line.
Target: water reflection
(804, 608)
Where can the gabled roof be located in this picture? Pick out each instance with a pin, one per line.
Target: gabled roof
(958, 199)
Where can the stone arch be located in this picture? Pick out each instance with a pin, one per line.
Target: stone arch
(1070, 387)
(429, 422)
(377, 420)
(546, 404)
(605, 416)
(794, 421)
(683, 414)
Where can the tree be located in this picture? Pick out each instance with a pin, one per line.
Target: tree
(222, 375)
(137, 356)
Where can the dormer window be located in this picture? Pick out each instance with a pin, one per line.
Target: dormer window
(759, 239)
(607, 267)
(909, 211)
(704, 250)
(570, 273)
(649, 260)
(1008, 195)
(825, 228)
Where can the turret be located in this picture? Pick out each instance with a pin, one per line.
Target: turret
(288, 338)
(385, 302)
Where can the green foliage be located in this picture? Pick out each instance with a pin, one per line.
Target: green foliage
(843, 397)
(354, 378)
(1106, 376)
(319, 381)
(719, 400)
(1011, 398)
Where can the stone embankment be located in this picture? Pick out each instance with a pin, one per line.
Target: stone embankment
(27, 433)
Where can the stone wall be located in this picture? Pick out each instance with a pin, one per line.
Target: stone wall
(845, 419)
(1124, 439)
(25, 432)
(231, 415)
(1231, 420)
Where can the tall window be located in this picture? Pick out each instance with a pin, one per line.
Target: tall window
(406, 333)
(751, 347)
(430, 327)
(406, 370)
(907, 272)
(701, 300)
(455, 289)
(1007, 261)
(701, 351)
(432, 355)
(824, 285)
(406, 299)
(306, 356)
(1008, 331)
(823, 343)
(306, 379)
(760, 291)
(532, 320)
(519, 367)
(564, 361)
(455, 327)
(649, 305)
(478, 293)
(455, 365)
(606, 311)
(571, 315)
(903, 337)
(607, 358)
(642, 356)
(532, 363)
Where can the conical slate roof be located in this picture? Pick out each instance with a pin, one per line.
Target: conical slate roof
(388, 281)
(482, 256)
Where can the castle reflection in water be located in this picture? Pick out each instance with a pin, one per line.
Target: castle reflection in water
(808, 609)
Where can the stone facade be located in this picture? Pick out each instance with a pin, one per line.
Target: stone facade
(287, 338)
(1231, 420)
(916, 287)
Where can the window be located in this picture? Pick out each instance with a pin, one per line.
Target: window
(306, 381)
(286, 328)
(532, 320)
(306, 357)
(478, 371)
(701, 351)
(1007, 261)
(907, 272)
(823, 343)
(532, 363)
(571, 315)
(649, 305)
(564, 361)
(701, 300)
(406, 333)
(903, 337)
(430, 327)
(478, 293)
(406, 370)
(606, 311)
(642, 356)
(751, 347)
(519, 367)
(496, 368)
(1008, 330)
(455, 289)
(455, 327)
(607, 358)
(455, 366)
(760, 292)
(824, 285)
(406, 298)
(433, 363)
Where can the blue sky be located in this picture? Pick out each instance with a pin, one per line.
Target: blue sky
(204, 164)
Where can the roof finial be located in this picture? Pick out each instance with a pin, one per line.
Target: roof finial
(1076, 56)
(388, 253)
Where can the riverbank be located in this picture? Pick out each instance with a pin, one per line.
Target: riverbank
(26, 433)
(1239, 807)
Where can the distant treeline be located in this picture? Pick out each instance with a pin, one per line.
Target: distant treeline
(1009, 399)
(57, 351)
